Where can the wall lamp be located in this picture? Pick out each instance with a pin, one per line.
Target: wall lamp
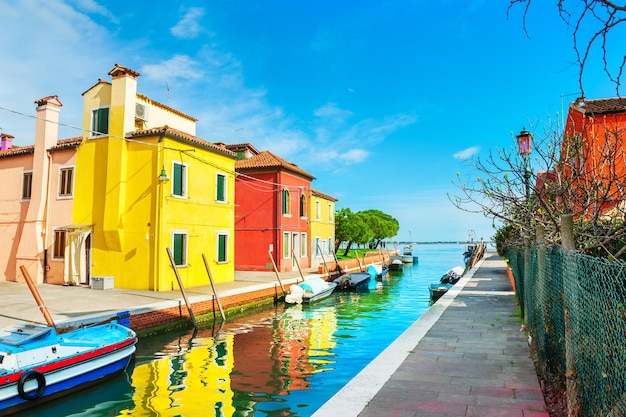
(163, 177)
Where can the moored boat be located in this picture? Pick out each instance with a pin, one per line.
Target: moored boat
(309, 290)
(355, 281)
(395, 263)
(407, 254)
(437, 290)
(38, 364)
(447, 281)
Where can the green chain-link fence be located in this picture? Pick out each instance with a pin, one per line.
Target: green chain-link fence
(574, 306)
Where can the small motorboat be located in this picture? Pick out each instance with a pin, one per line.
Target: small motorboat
(355, 281)
(38, 364)
(309, 290)
(377, 272)
(447, 281)
(407, 254)
(395, 263)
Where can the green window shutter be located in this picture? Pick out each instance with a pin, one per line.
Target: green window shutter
(285, 245)
(222, 248)
(179, 179)
(221, 188)
(179, 249)
(100, 124)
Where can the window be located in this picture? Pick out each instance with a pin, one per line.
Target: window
(179, 243)
(318, 210)
(179, 180)
(220, 188)
(286, 201)
(303, 206)
(222, 247)
(303, 250)
(330, 245)
(330, 212)
(59, 244)
(27, 185)
(286, 245)
(66, 181)
(317, 247)
(100, 121)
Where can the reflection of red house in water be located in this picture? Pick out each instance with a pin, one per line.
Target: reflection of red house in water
(593, 152)
(286, 369)
(271, 212)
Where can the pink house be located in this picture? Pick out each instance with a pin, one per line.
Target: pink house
(36, 199)
(271, 212)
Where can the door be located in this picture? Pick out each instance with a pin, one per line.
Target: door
(78, 257)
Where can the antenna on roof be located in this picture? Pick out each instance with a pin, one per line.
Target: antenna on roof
(168, 92)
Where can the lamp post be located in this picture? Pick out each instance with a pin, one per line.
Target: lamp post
(525, 143)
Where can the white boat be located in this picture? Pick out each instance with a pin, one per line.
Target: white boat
(309, 290)
(407, 254)
(395, 263)
(38, 364)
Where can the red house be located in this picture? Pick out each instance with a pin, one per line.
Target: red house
(271, 212)
(593, 155)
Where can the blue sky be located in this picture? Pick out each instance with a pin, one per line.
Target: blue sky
(380, 100)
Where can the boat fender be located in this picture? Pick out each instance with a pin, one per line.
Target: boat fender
(33, 394)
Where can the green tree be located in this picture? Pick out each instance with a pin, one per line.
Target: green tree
(382, 226)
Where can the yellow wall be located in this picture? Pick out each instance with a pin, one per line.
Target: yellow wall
(322, 226)
(133, 214)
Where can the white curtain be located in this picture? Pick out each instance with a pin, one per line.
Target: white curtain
(76, 257)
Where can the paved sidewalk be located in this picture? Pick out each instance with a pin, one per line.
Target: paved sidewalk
(465, 357)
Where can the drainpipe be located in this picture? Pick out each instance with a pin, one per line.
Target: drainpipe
(157, 225)
(44, 222)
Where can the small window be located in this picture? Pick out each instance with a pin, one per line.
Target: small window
(330, 212)
(303, 206)
(330, 245)
(222, 247)
(286, 201)
(318, 210)
(303, 251)
(179, 180)
(317, 247)
(59, 244)
(66, 181)
(179, 243)
(27, 185)
(286, 245)
(100, 121)
(220, 188)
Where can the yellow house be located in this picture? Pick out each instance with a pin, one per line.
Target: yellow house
(321, 227)
(144, 184)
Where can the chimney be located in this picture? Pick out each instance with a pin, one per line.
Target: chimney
(7, 141)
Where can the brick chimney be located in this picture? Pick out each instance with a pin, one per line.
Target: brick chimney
(7, 141)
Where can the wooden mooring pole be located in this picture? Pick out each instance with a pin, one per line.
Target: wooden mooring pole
(217, 298)
(182, 288)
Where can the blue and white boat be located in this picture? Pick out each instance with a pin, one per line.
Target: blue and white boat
(38, 364)
(309, 290)
(355, 281)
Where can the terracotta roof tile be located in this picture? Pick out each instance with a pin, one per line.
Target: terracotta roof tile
(177, 134)
(17, 150)
(68, 143)
(600, 106)
(62, 144)
(322, 195)
(266, 159)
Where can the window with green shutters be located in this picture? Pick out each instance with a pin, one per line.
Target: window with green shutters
(220, 188)
(222, 247)
(303, 249)
(179, 243)
(286, 201)
(179, 179)
(100, 121)
(286, 245)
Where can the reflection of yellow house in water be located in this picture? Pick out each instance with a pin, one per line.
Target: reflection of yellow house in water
(194, 383)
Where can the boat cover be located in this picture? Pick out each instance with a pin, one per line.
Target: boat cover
(314, 285)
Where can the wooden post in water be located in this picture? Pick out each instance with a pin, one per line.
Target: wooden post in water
(297, 263)
(217, 298)
(182, 289)
(356, 254)
(323, 260)
(40, 304)
(282, 287)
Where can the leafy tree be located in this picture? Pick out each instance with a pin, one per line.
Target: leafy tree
(363, 227)
(381, 224)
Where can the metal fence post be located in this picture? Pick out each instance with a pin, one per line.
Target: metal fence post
(570, 303)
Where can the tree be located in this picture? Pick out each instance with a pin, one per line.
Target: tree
(363, 227)
(571, 179)
(592, 22)
(381, 224)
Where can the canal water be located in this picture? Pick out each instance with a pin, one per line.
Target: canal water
(277, 361)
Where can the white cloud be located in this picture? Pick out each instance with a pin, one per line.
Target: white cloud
(189, 27)
(466, 154)
(178, 67)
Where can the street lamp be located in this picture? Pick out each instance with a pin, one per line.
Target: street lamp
(525, 143)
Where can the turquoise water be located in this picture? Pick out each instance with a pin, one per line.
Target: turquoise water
(278, 361)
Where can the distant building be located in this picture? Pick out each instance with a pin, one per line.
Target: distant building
(145, 183)
(271, 212)
(36, 199)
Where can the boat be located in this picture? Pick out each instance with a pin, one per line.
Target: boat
(38, 364)
(407, 254)
(447, 281)
(377, 272)
(355, 281)
(395, 263)
(310, 290)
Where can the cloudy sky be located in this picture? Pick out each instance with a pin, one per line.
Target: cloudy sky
(382, 101)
